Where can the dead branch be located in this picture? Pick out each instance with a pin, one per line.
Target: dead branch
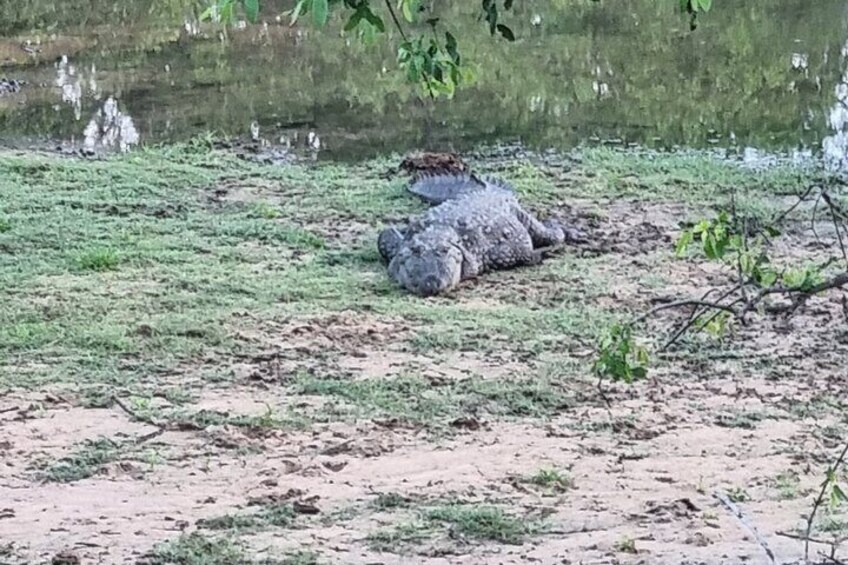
(801, 198)
(740, 306)
(160, 428)
(737, 512)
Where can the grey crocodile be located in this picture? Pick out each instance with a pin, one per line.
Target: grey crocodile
(475, 225)
(9, 86)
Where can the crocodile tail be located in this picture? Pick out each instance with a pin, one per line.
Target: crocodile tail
(438, 188)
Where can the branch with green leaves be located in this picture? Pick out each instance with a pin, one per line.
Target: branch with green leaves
(428, 53)
(730, 240)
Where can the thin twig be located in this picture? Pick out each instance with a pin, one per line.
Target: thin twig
(820, 498)
(800, 537)
(836, 225)
(830, 559)
(737, 512)
(801, 198)
(137, 418)
(739, 272)
(814, 218)
(685, 327)
(681, 303)
(395, 19)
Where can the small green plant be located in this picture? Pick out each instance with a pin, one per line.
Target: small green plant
(738, 494)
(552, 479)
(5, 225)
(619, 357)
(85, 462)
(714, 236)
(626, 545)
(272, 515)
(787, 485)
(266, 211)
(100, 259)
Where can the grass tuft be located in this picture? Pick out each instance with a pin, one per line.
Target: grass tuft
(100, 259)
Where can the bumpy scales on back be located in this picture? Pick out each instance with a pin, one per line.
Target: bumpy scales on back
(476, 225)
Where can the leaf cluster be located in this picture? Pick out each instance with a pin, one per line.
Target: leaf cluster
(429, 59)
(619, 357)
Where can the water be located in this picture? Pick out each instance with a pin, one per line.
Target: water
(764, 74)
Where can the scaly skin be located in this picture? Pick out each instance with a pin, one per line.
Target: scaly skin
(478, 227)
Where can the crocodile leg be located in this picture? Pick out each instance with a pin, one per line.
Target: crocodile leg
(543, 234)
(389, 241)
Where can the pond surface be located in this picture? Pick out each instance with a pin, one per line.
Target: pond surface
(769, 74)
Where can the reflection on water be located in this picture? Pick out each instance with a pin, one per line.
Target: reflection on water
(835, 146)
(764, 74)
(110, 128)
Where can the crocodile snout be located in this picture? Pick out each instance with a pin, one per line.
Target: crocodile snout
(431, 285)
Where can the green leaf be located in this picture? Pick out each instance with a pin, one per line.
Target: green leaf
(683, 242)
(451, 47)
(705, 5)
(320, 11)
(506, 32)
(301, 6)
(768, 278)
(251, 10)
(227, 11)
(373, 18)
(406, 9)
(207, 13)
(353, 21)
(839, 494)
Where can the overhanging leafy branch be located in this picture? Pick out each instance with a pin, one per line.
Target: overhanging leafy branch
(428, 53)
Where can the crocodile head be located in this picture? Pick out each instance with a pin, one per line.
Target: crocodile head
(430, 262)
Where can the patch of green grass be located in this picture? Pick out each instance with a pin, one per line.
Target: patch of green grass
(482, 523)
(272, 515)
(300, 558)
(266, 211)
(401, 537)
(85, 462)
(788, 485)
(551, 479)
(833, 524)
(742, 419)
(202, 419)
(100, 259)
(197, 549)
(452, 523)
(416, 400)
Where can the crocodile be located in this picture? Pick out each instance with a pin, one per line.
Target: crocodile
(474, 225)
(9, 86)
